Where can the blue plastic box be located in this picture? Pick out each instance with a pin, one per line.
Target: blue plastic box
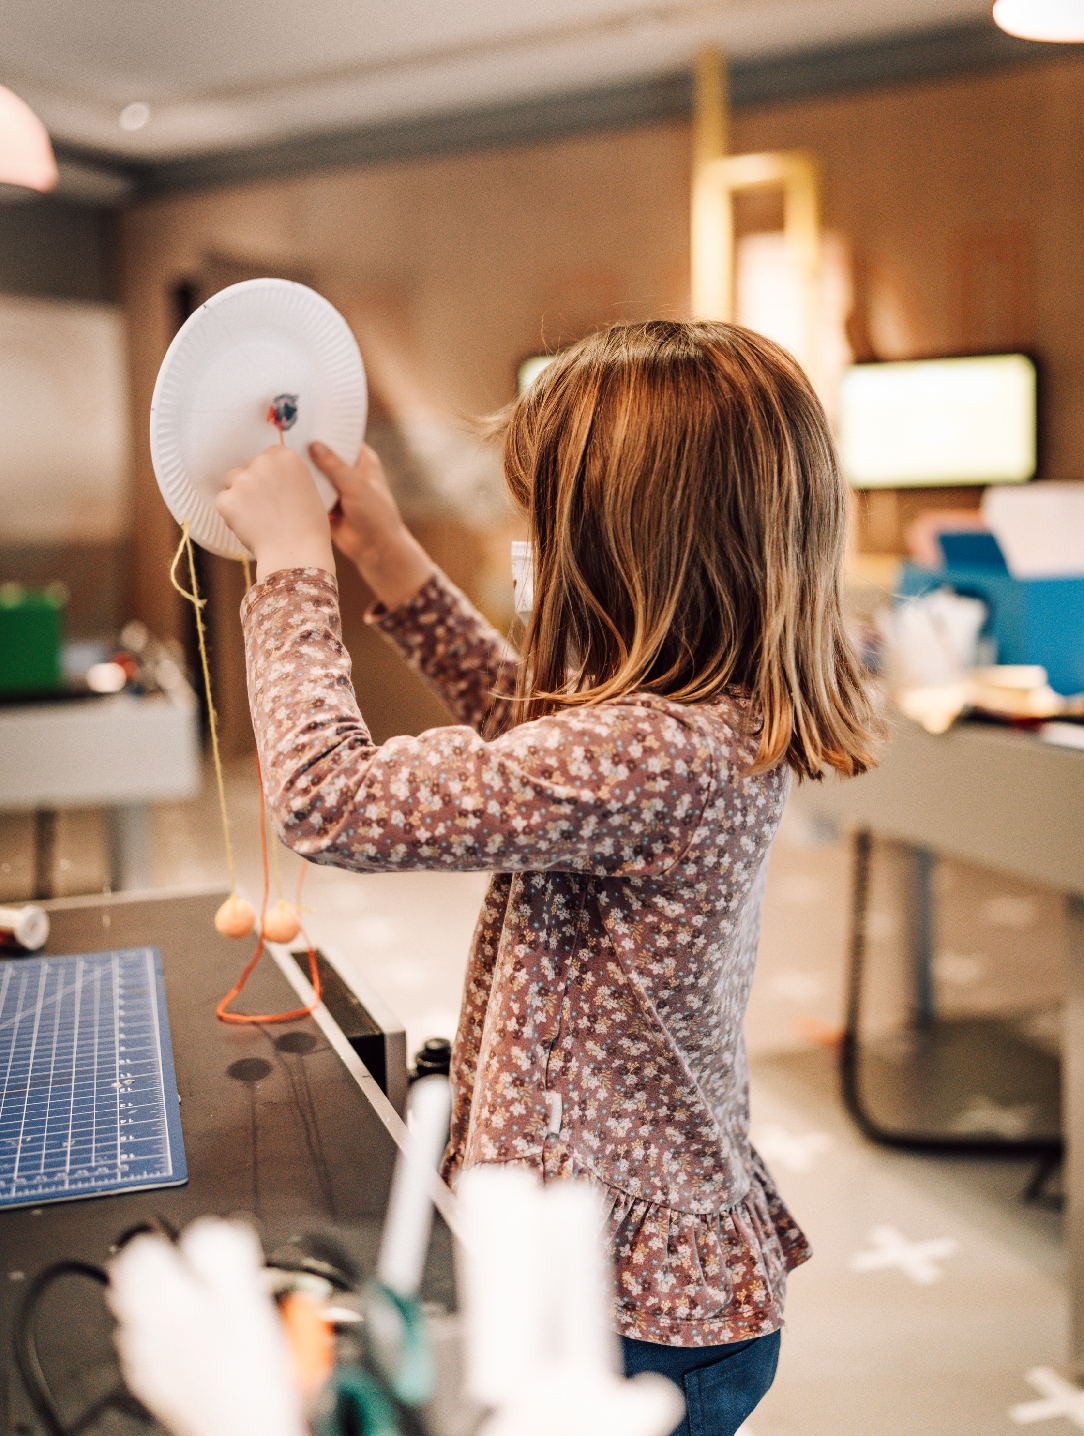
(1032, 620)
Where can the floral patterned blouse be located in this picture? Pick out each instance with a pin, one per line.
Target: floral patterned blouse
(601, 1030)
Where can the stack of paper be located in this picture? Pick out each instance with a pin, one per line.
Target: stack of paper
(1039, 527)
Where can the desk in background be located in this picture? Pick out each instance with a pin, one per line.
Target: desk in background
(1008, 801)
(121, 753)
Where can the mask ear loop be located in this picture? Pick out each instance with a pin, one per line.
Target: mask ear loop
(193, 597)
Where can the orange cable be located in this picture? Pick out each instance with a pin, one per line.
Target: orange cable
(314, 973)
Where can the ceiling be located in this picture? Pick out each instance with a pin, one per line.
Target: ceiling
(219, 75)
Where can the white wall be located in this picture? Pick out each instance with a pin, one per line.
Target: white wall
(64, 455)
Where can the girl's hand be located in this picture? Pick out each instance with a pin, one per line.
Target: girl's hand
(273, 508)
(368, 528)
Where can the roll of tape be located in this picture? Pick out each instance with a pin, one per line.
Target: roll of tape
(27, 927)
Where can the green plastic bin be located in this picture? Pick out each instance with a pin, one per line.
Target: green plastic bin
(31, 638)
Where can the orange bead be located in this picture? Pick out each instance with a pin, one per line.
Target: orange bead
(235, 918)
(311, 1339)
(282, 923)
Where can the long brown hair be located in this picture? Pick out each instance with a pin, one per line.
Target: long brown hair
(687, 517)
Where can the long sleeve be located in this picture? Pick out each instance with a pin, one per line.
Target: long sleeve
(463, 658)
(613, 790)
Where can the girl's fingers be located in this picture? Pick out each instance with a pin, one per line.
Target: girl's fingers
(329, 463)
(350, 479)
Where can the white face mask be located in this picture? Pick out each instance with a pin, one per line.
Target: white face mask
(523, 579)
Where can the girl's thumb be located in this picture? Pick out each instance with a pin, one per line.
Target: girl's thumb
(327, 461)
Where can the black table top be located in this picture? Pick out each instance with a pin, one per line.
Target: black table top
(275, 1128)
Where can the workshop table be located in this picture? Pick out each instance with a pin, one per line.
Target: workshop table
(281, 1123)
(1006, 800)
(120, 752)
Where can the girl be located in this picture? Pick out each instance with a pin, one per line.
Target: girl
(623, 782)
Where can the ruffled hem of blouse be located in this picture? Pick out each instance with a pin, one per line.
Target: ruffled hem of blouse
(692, 1279)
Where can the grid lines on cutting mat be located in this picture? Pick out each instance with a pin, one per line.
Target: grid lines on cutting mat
(88, 1096)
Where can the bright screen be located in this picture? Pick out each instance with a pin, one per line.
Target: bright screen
(530, 369)
(938, 421)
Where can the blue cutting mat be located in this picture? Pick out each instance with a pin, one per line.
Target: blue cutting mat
(88, 1095)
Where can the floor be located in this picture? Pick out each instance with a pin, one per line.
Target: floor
(936, 1301)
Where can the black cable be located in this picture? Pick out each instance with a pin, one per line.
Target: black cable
(149, 1226)
(324, 1257)
(119, 1399)
(323, 1254)
(328, 1261)
(28, 1362)
(25, 1345)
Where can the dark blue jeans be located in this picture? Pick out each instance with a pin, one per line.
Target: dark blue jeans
(721, 1384)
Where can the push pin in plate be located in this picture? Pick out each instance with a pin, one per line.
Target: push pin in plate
(283, 412)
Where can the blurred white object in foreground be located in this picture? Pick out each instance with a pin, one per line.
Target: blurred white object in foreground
(535, 1289)
(199, 1339)
(405, 1237)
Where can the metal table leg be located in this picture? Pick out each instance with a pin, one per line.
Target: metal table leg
(937, 1048)
(130, 832)
(918, 894)
(44, 853)
(1073, 1099)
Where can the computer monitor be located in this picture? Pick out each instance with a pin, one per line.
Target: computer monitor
(529, 369)
(920, 422)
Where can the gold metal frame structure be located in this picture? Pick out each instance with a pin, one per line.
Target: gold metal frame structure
(717, 177)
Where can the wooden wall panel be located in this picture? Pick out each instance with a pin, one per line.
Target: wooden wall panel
(960, 201)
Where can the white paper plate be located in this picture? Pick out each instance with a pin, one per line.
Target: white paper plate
(247, 346)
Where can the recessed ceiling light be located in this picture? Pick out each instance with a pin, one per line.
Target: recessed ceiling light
(1041, 19)
(135, 115)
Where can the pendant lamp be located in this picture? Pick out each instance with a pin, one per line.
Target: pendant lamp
(1059, 20)
(26, 156)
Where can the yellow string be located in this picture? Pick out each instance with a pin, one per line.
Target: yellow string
(185, 546)
(191, 597)
(221, 1012)
(275, 865)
